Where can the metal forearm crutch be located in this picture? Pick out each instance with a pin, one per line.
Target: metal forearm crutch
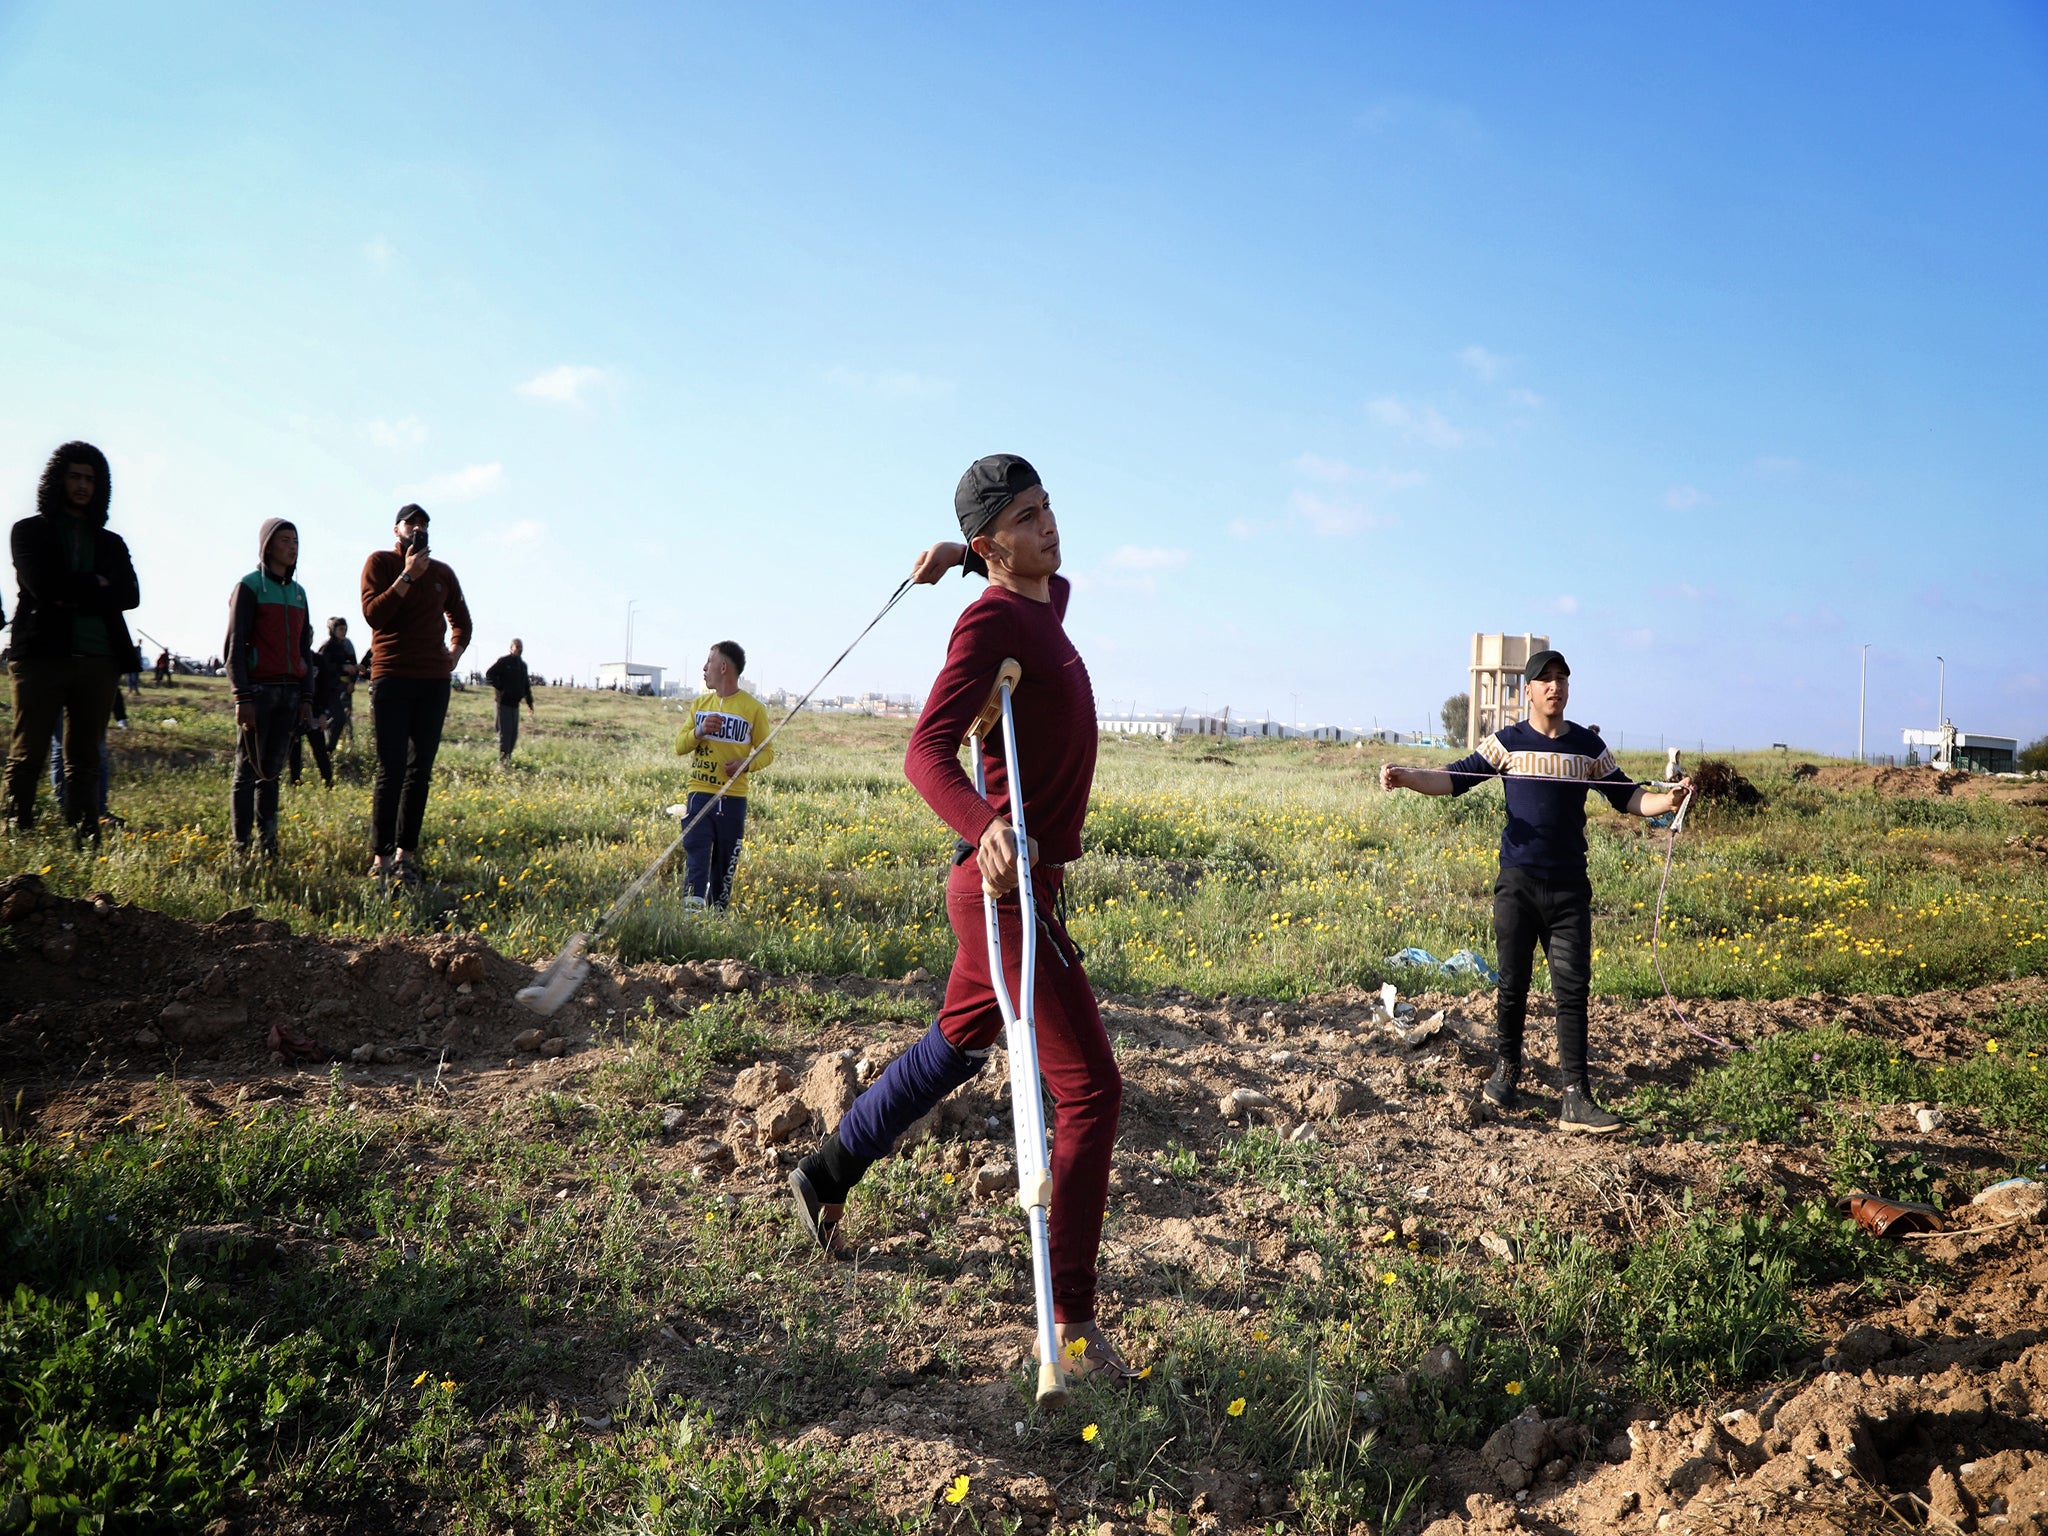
(1027, 1107)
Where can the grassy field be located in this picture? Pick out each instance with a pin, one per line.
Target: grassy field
(1272, 869)
(516, 1307)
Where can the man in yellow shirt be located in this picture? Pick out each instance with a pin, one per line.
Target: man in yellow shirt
(724, 725)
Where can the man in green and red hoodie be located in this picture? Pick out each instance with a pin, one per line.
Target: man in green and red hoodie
(270, 662)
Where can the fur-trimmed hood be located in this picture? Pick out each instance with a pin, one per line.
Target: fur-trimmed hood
(50, 498)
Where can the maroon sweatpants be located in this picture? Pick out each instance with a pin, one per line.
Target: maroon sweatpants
(1074, 1058)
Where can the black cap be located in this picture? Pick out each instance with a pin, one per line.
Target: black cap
(413, 512)
(989, 486)
(1541, 660)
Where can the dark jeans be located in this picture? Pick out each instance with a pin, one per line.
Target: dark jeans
(259, 760)
(57, 772)
(713, 847)
(407, 714)
(340, 719)
(79, 691)
(508, 729)
(314, 736)
(1528, 909)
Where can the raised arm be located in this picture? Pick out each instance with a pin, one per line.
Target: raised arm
(1424, 781)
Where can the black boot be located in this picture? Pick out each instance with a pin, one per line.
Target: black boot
(821, 1183)
(1580, 1112)
(1500, 1089)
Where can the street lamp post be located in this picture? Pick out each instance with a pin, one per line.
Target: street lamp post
(1862, 693)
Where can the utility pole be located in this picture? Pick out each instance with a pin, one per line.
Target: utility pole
(630, 606)
(1862, 694)
(1941, 697)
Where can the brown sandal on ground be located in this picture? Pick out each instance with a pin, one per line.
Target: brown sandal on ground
(1095, 1356)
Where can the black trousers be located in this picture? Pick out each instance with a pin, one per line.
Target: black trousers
(407, 714)
(314, 736)
(1528, 910)
(259, 761)
(508, 729)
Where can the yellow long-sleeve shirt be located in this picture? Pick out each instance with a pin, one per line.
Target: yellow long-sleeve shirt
(723, 731)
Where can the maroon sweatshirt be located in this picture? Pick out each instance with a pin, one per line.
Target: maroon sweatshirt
(1054, 706)
(407, 624)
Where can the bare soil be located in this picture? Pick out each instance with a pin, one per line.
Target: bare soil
(1927, 1408)
(1933, 784)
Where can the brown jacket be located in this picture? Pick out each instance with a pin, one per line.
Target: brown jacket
(406, 623)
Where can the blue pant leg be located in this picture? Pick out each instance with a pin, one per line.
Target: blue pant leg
(729, 827)
(698, 846)
(905, 1092)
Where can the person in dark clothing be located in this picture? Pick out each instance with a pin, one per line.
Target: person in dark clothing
(270, 661)
(74, 580)
(338, 671)
(163, 669)
(419, 628)
(513, 685)
(1007, 517)
(1543, 894)
(314, 733)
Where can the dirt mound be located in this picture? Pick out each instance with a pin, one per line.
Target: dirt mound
(140, 990)
(1910, 1428)
(1932, 784)
(1723, 783)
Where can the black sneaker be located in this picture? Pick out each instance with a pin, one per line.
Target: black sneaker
(819, 1220)
(1581, 1114)
(1500, 1088)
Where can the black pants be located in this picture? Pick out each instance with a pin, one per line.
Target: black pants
(1528, 909)
(314, 736)
(407, 714)
(79, 692)
(259, 761)
(338, 720)
(508, 729)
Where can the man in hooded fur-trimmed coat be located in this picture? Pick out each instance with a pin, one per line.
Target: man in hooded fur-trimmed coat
(74, 581)
(270, 660)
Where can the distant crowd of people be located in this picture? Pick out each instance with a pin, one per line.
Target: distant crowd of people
(70, 650)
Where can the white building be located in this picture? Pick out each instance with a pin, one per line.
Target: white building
(629, 677)
(1970, 751)
(1163, 727)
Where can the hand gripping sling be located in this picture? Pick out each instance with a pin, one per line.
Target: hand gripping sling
(1027, 1106)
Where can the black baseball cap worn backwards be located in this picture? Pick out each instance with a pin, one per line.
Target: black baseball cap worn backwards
(1541, 660)
(413, 512)
(989, 485)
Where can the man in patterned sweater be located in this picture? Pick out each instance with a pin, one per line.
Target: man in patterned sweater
(1543, 893)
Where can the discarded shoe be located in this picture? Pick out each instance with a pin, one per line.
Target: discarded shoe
(1890, 1218)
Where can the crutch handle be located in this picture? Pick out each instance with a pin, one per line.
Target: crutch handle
(1008, 675)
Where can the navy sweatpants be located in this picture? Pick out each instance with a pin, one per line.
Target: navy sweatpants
(712, 848)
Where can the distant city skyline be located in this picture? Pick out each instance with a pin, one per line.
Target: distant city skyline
(1704, 341)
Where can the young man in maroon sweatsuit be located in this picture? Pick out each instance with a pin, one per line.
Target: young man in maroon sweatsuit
(1008, 522)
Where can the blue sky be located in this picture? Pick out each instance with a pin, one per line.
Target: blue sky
(1709, 343)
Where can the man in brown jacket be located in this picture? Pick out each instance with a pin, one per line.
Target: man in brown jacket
(419, 628)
